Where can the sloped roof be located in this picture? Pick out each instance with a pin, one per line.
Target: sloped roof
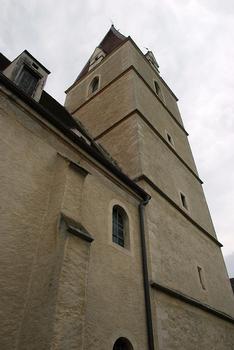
(110, 42)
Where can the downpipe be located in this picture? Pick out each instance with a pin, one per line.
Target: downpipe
(148, 309)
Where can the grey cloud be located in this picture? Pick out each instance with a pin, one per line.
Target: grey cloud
(229, 259)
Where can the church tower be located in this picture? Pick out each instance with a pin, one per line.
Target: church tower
(129, 109)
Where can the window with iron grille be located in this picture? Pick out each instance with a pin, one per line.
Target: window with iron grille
(118, 225)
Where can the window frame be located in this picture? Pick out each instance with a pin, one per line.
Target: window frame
(95, 82)
(158, 91)
(122, 343)
(170, 139)
(184, 201)
(157, 88)
(201, 278)
(128, 248)
(19, 79)
(119, 226)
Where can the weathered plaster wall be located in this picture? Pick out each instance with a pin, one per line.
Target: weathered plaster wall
(122, 142)
(148, 104)
(108, 107)
(114, 65)
(172, 177)
(27, 171)
(110, 68)
(60, 292)
(181, 326)
(177, 247)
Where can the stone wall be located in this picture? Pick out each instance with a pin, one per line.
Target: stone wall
(58, 291)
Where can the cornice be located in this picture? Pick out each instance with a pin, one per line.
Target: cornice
(176, 206)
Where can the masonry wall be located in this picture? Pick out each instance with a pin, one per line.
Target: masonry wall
(131, 121)
(177, 248)
(111, 68)
(57, 290)
(109, 106)
(181, 326)
(172, 177)
(122, 142)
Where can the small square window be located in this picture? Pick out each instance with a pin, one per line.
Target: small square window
(170, 139)
(157, 88)
(201, 277)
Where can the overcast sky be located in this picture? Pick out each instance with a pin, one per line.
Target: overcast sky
(193, 41)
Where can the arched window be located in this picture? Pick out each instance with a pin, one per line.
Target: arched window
(122, 344)
(94, 85)
(119, 226)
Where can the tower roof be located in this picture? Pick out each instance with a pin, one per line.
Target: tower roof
(111, 41)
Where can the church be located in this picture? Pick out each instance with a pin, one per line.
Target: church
(106, 238)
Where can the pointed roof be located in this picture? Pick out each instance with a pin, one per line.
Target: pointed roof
(112, 39)
(110, 42)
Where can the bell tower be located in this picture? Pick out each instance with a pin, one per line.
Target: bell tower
(129, 109)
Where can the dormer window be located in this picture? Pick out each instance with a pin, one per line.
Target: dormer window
(28, 74)
(27, 80)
